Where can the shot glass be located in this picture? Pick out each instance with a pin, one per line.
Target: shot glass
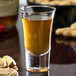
(37, 26)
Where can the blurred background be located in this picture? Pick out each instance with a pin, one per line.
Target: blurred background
(12, 40)
(64, 17)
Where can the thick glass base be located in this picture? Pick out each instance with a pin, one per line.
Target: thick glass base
(37, 63)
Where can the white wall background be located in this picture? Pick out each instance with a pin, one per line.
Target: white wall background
(23, 2)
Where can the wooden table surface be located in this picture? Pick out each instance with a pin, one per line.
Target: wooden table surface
(63, 53)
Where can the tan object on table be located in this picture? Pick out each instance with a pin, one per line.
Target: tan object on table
(2, 63)
(68, 31)
(8, 72)
(15, 67)
(9, 60)
(8, 66)
(59, 31)
(73, 26)
(73, 33)
(58, 2)
(73, 29)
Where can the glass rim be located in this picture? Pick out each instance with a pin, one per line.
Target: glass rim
(28, 6)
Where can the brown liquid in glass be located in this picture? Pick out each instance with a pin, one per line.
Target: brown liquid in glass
(37, 34)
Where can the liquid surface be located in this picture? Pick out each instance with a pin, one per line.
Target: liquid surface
(36, 34)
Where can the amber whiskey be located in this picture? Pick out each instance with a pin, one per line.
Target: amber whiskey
(37, 34)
